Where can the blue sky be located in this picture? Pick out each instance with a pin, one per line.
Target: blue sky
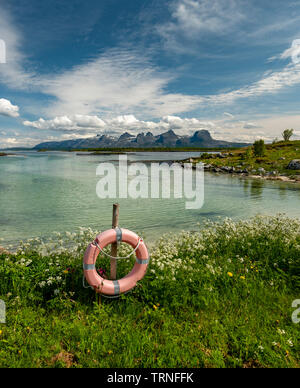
(78, 68)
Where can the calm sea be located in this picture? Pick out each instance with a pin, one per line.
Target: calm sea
(56, 191)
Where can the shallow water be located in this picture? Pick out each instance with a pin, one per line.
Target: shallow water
(56, 191)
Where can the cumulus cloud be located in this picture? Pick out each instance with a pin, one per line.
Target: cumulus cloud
(221, 128)
(192, 20)
(194, 17)
(8, 109)
(94, 124)
(17, 141)
(73, 123)
(174, 122)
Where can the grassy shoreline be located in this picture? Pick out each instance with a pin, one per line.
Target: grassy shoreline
(220, 297)
(273, 165)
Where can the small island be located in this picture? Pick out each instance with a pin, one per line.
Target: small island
(5, 154)
(277, 161)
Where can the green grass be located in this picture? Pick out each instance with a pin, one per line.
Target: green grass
(219, 297)
(271, 161)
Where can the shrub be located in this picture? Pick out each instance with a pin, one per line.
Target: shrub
(259, 148)
(287, 134)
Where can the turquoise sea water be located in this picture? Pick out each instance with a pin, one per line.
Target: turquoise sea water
(45, 192)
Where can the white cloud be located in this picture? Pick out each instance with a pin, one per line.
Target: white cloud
(193, 20)
(221, 129)
(293, 52)
(251, 125)
(120, 81)
(7, 109)
(20, 141)
(237, 21)
(116, 82)
(174, 122)
(129, 123)
(120, 84)
(73, 123)
(216, 16)
(274, 82)
(93, 124)
(229, 115)
(14, 72)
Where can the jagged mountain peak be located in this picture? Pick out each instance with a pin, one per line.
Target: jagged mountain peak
(201, 138)
(126, 135)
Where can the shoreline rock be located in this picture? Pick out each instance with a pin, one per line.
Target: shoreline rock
(294, 164)
(262, 173)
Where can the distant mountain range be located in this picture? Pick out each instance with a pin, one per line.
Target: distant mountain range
(199, 139)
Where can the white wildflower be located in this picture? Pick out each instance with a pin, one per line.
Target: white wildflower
(281, 332)
(290, 343)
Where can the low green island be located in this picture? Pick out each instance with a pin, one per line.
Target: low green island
(273, 161)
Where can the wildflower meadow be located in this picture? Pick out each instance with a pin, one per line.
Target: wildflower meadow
(220, 296)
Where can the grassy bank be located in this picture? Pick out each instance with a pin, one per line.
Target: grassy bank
(276, 159)
(220, 297)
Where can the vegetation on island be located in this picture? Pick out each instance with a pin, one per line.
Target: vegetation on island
(287, 134)
(216, 297)
(259, 159)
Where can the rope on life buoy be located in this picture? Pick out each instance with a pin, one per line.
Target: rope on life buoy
(114, 288)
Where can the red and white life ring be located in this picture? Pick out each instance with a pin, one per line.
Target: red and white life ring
(115, 287)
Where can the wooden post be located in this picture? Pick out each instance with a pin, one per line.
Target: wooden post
(114, 246)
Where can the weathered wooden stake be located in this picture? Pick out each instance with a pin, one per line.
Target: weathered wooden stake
(114, 246)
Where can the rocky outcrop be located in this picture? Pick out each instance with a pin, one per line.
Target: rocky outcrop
(294, 165)
(239, 171)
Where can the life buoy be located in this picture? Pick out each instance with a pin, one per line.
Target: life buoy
(115, 287)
